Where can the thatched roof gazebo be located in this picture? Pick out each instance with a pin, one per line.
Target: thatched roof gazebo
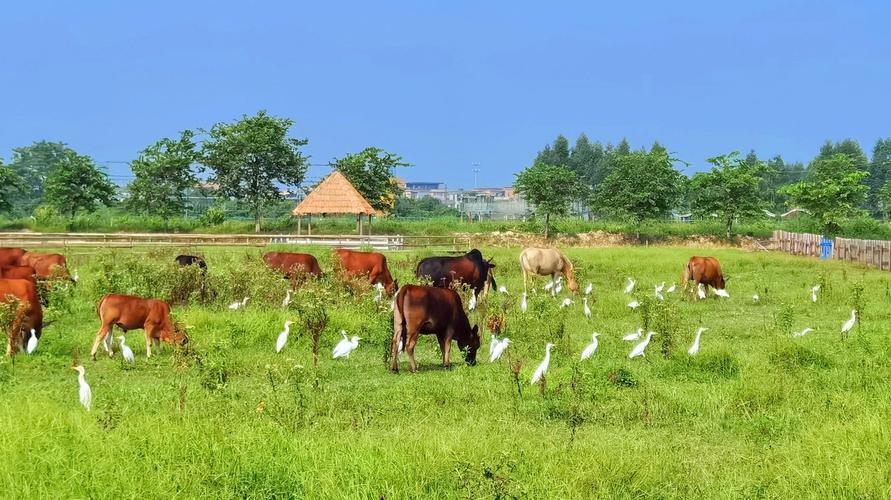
(334, 196)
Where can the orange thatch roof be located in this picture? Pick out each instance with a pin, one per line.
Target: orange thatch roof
(334, 195)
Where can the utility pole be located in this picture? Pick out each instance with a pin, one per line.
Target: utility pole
(476, 171)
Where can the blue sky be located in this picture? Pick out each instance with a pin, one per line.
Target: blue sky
(450, 84)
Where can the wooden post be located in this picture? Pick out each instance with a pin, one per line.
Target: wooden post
(359, 223)
(299, 221)
(309, 226)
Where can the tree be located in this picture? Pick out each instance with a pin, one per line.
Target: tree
(583, 158)
(33, 164)
(76, 184)
(250, 156)
(884, 199)
(731, 190)
(163, 171)
(640, 186)
(879, 175)
(832, 192)
(550, 189)
(10, 184)
(558, 154)
(371, 172)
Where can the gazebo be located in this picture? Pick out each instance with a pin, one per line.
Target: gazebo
(333, 196)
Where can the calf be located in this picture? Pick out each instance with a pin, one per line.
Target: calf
(132, 313)
(372, 265)
(289, 262)
(46, 265)
(192, 260)
(26, 292)
(422, 310)
(704, 270)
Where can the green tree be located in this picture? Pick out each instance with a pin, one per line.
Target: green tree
(163, 173)
(33, 164)
(884, 199)
(371, 172)
(10, 184)
(833, 190)
(640, 186)
(76, 184)
(731, 190)
(558, 154)
(583, 158)
(879, 175)
(423, 207)
(249, 157)
(550, 189)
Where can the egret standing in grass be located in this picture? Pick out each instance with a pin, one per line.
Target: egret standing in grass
(700, 291)
(86, 395)
(634, 304)
(345, 346)
(722, 293)
(639, 348)
(283, 337)
(32, 342)
(695, 347)
(542, 369)
(659, 289)
(502, 289)
(523, 303)
(591, 348)
(587, 309)
(566, 302)
(239, 305)
(850, 323)
(126, 351)
(589, 288)
(493, 341)
(499, 349)
(755, 298)
(630, 286)
(287, 300)
(633, 336)
(671, 288)
(814, 291)
(471, 304)
(802, 333)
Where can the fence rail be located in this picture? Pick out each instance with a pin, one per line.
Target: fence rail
(874, 253)
(130, 240)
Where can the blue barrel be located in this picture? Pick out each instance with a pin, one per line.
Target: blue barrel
(825, 248)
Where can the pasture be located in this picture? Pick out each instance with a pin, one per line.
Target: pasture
(757, 413)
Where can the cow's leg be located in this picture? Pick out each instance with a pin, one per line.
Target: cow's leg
(410, 350)
(149, 330)
(398, 333)
(445, 345)
(104, 331)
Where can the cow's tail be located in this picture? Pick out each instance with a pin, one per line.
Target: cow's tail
(399, 330)
(688, 273)
(99, 306)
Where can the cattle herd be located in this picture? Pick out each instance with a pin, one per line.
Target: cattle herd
(436, 309)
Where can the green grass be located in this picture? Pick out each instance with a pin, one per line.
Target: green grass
(755, 414)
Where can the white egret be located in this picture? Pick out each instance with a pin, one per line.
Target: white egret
(814, 291)
(659, 288)
(542, 369)
(755, 298)
(700, 291)
(549, 285)
(126, 351)
(559, 286)
(471, 304)
(722, 293)
(380, 292)
(502, 289)
(86, 395)
(32, 342)
(492, 343)
(630, 286)
(639, 348)
(802, 333)
(633, 336)
(590, 348)
(695, 347)
(523, 303)
(76, 277)
(671, 288)
(850, 323)
(589, 288)
(499, 349)
(345, 346)
(239, 305)
(634, 304)
(566, 302)
(587, 309)
(283, 337)
(287, 300)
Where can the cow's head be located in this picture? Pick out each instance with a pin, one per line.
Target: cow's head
(470, 345)
(175, 335)
(721, 281)
(392, 287)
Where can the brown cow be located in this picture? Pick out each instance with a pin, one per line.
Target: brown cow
(18, 272)
(704, 270)
(9, 256)
(26, 291)
(46, 265)
(132, 313)
(428, 310)
(288, 262)
(372, 265)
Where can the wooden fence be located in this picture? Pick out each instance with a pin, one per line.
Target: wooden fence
(873, 253)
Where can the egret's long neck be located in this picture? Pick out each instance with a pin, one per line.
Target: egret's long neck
(82, 379)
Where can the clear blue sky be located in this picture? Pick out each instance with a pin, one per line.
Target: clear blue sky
(448, 84)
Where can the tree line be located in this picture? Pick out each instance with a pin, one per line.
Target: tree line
(246, 161)
(840, 183)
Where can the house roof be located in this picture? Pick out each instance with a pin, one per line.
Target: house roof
(334, 195)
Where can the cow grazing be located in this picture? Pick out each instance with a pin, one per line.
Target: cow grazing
(132, 313)
(26, 291)
(46, 265)
(429, 310)
(704, 270)
(191, 260)
(18, 272)
(9, 256)
(547, 262)
(469, 268)
(372, 265)
(289, 262)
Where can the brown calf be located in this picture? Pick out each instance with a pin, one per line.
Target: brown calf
(26, 292)
(132, 313)
(705, 270)
(372, 265)
(289, 262)
(46, 264)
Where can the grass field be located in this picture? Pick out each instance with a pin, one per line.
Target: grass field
(756, 414)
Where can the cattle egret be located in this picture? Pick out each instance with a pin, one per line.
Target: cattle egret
(633, 336)
(659, 288)
(549, 285)
(755, 298)
(634, 304)
(502, 289)
(287, 299)
(559, 287)
(722, 293)
(542, 369)
(700, 291)
(590, 348)
(814, 291)
(238, 305)
(802, 333)
(630, 287)
(86, 395)
(471, 304)
(492, 343)
(499, 349)
(639, 348)
(126, 351)
(32, 342)
(695, 347)
(587, 309)
(523, 303)
(671, 288)
(850, 323)
(566, 302)
(345, 346)
(380, 292)
(75, 278)
(589, 288)
(283, 337)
